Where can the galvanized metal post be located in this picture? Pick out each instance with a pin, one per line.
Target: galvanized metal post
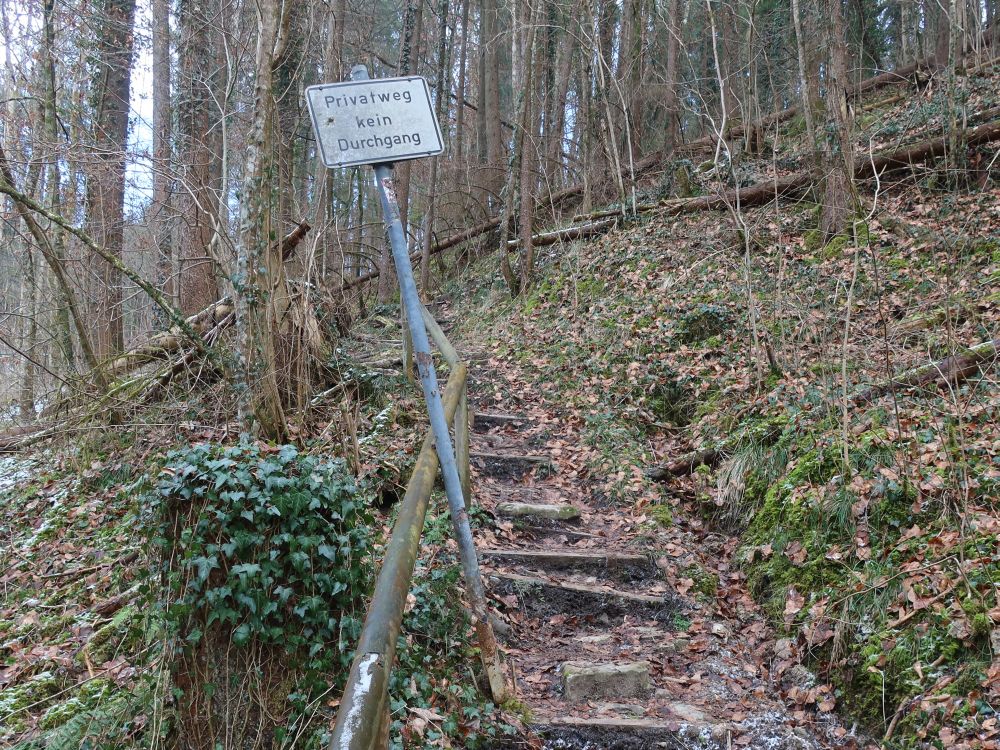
(439, 423)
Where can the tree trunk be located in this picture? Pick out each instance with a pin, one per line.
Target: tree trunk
(806, 92)
(529, 147)
(106, 178)
(160, 223)
(491, 143)
(55, 253)
(262, 301)
(199, 150)
(839, 203)
(440, 107)
(555, 127)
(630, 64)
(672, 74)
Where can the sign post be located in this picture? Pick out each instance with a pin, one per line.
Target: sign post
(378, 122)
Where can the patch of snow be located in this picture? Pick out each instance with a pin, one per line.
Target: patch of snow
(770, 731)
(14, 471)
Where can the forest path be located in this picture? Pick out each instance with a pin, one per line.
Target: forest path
(623, 632)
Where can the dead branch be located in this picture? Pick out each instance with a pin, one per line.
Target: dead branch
(798, 184)
(164, 345)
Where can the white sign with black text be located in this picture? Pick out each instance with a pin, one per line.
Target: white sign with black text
(379, 120)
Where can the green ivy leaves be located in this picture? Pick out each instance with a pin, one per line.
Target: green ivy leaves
(264, 545)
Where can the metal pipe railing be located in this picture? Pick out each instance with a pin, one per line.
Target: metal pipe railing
(360, 724)
(360, 716)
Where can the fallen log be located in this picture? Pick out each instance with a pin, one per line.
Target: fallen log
(440, 246)
(687, 463)
(568, 233)
(798, 184)
(790, 186)
(899, 75)
(951, 370)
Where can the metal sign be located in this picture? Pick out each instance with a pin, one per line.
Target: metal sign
(374, 121)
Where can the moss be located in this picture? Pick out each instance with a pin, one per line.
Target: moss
(662, 514)
(796, 126)
(703, 322)
(16, 702)
(981, 625)
(106, 641)
(812, 240)
(989, 247)
(782, 519)
(835, 247)
(706, 583)
(90, 695)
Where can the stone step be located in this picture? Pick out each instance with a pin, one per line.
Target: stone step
(540, 597)
(484, 420)
(507, 465)
(630, 734)
(558, 512)
(587, 681)
(622, 564)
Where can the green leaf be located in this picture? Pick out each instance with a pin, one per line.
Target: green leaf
(242, 634)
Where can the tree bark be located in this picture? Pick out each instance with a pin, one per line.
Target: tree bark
(106, 179)
(160, 220)
(838, 204)
(199, 150)
(262, 301)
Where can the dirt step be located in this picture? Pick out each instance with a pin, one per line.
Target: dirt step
(556, 512)
(577, 733)
(508, 465)
(482, 421)
(544, 598)
(622, 564)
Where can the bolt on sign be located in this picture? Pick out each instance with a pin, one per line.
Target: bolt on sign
(374, 121)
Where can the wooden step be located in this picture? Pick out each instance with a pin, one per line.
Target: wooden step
(508, 465)
(541, 597)
(617, 562)
(556, 512)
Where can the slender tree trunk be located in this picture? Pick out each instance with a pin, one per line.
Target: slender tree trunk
(529, 147)
(160, 220)
(806, 94)
(440, 107)
(555, 128)
(263, 301)
(489, 103)
(630, 65)
(459, 150)
(672, 74)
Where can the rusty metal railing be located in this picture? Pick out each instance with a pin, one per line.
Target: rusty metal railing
(362, 718)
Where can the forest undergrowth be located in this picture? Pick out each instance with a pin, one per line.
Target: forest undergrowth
(108, 614)
(866, 513)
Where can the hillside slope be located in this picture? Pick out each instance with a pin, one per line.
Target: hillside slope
(804, 387)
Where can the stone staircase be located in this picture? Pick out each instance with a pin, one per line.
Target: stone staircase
(593, 636)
